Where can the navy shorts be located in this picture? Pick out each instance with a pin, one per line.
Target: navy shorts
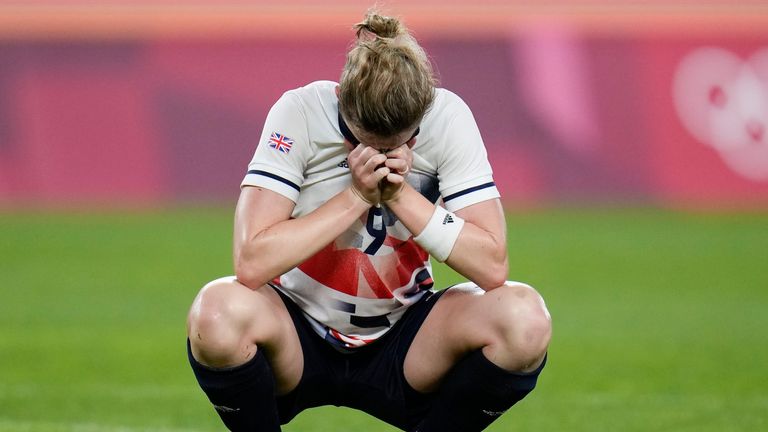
(369, 378)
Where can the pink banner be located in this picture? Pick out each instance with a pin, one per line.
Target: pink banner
(566, 116)
(709, 126)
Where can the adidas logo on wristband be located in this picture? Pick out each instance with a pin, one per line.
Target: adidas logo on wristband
(440, 234)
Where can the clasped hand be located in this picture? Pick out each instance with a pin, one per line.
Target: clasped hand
(379, 177)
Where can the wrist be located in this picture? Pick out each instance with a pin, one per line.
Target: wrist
(359, 199)
(394, 198)
(440, 234)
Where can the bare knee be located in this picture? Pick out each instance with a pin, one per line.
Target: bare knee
(521, 327)
(221, 322)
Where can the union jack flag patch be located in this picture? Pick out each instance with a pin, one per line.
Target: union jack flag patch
(280, 142)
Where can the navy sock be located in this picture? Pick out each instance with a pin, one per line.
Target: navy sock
(474, 394)
(243, 396)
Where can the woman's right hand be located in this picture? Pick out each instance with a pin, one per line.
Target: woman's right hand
(366, 164)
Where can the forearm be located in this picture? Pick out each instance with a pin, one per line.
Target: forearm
(478, 254)
(262, 256)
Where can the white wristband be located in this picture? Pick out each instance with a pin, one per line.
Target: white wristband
(440, 234)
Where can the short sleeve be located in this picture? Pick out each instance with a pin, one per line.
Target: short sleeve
(280, 158)
(464, 173)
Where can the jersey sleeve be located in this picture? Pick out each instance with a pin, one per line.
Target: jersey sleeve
(280, 158)
(464, 173)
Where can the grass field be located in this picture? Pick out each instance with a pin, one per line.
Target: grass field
(660, 321)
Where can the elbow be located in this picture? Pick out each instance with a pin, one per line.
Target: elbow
(247, 278)
(254, 268)
(493, 278)
(487, 270)
(494, 275)
(249, 274)
(494, 267)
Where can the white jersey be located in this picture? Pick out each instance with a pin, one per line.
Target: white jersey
(358, 286)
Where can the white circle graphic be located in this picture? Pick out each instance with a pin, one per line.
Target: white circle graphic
(722, 100)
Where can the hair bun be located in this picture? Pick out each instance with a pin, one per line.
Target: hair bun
(379, 25)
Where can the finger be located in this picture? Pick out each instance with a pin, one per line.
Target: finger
(381, 173)
(402, 153)
(355, 154)
(363, 159)
(395, 178)
(398, 152)
(398, 165)
(366, 152)
(362, 151)
(375, 160)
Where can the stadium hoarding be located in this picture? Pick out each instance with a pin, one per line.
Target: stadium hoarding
(568, 113)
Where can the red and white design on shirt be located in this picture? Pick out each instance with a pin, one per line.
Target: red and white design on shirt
(349, 341)
(360, 284)
(353, 272)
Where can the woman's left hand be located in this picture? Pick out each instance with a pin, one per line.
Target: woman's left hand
(399, 161)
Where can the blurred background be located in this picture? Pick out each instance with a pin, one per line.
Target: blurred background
(629, 140)
(150, 101)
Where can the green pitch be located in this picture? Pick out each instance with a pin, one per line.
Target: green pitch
(660, 321)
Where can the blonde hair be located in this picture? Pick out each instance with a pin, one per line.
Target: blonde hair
(387, 84)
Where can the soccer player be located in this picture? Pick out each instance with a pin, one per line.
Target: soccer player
(353, 186)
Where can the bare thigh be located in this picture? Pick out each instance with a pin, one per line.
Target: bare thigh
(510, 324)
(228, 322)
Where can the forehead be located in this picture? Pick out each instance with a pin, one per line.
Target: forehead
(382, 143)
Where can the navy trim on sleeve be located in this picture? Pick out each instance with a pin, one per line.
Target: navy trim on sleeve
(276, 177)
(469, 190)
